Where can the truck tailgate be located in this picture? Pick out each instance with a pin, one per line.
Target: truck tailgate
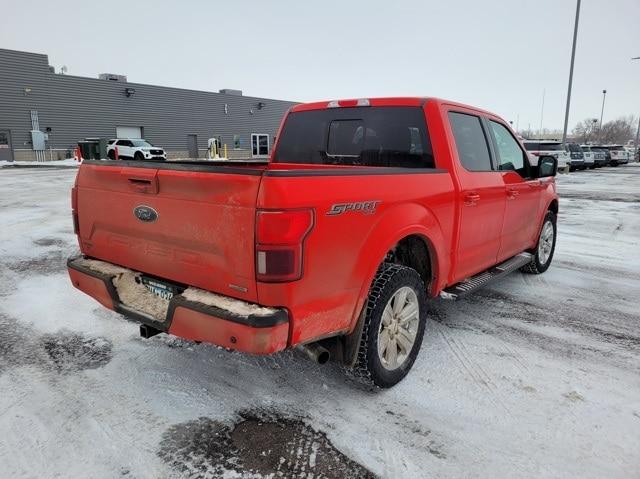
(188, 224)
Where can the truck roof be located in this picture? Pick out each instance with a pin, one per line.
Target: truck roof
(381, 101)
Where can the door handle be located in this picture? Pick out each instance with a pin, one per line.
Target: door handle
(471, 199)
(512, 193)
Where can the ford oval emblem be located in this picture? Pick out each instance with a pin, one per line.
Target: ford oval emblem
(145, 213)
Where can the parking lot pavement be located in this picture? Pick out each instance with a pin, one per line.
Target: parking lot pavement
(534, 376)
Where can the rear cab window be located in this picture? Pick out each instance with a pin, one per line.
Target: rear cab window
(384, 136)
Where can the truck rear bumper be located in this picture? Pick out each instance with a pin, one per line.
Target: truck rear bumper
(265, 332)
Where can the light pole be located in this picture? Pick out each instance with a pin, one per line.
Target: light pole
(573, 56)
(593, 128)
(635, 143)
(604, 96)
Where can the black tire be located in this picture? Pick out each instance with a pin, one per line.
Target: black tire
(536, 266)
(369, 368)
(111, 155)
(138, 156)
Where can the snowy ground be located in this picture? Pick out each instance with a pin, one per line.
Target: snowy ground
(535, 376)
(68, 162)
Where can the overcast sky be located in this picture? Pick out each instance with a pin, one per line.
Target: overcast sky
(495, 54)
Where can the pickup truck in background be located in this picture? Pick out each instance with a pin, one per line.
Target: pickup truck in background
(365, 210)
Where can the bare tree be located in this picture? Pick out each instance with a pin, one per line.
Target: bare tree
(615, 131)
(586, 130)
(618, 131)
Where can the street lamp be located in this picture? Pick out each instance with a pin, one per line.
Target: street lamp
(604, 96)
(635, 152)
(573, 56)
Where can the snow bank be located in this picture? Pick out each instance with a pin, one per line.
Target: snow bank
(39, 164)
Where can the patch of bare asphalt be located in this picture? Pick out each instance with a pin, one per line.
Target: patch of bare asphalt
(62, 352)
(605, 196)
(51, 242)
(53, 262)
(74, 352)
(259, 444)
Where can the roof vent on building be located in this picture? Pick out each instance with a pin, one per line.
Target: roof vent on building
(230, 91)
(112, 77)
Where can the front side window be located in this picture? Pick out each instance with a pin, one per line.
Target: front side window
(510, 155)
(391, 136)
(471, 142)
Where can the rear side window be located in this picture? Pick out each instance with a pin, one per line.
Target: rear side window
(471, 142)
(360, 136)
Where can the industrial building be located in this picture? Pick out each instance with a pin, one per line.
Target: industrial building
(43, 114)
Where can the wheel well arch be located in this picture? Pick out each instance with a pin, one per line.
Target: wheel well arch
(553, 207)
(414, 251)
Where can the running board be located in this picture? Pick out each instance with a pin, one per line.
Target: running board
(482, 279)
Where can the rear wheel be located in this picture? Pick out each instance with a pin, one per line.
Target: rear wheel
(545, 248)
(395, 318)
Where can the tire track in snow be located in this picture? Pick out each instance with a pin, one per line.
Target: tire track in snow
(473, 369)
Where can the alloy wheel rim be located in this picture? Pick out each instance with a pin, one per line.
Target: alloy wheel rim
(545, 245)
(398, 328)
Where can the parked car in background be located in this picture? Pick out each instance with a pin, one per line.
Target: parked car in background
(577, 154)
(551, 148)
(135, 149)
(593, 158)
(605, 155)
(619, 155)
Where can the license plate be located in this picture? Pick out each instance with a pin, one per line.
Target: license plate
(161, 290)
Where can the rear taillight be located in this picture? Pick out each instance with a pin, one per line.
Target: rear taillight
(280, 239)
(74, 209)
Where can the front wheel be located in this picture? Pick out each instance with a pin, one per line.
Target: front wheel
(395, 318)
(545, 248)
(139, 156)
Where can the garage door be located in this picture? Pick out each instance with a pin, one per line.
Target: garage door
(128, 132)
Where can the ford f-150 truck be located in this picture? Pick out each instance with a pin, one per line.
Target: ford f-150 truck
(365, 210)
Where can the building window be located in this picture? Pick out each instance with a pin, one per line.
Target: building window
(236, 142)
(259, 144)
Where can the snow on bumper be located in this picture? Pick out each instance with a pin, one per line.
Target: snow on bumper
(194, 314)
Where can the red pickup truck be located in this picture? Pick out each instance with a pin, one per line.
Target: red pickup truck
(365, 209)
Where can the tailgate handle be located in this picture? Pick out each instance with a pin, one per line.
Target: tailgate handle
(144, 185)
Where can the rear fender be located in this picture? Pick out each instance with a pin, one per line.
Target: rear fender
(395, 224)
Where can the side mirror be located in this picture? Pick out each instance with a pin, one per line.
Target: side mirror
(547, 166)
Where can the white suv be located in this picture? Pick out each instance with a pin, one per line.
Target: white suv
(134, 148)
(549, 148)
(619, 155)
